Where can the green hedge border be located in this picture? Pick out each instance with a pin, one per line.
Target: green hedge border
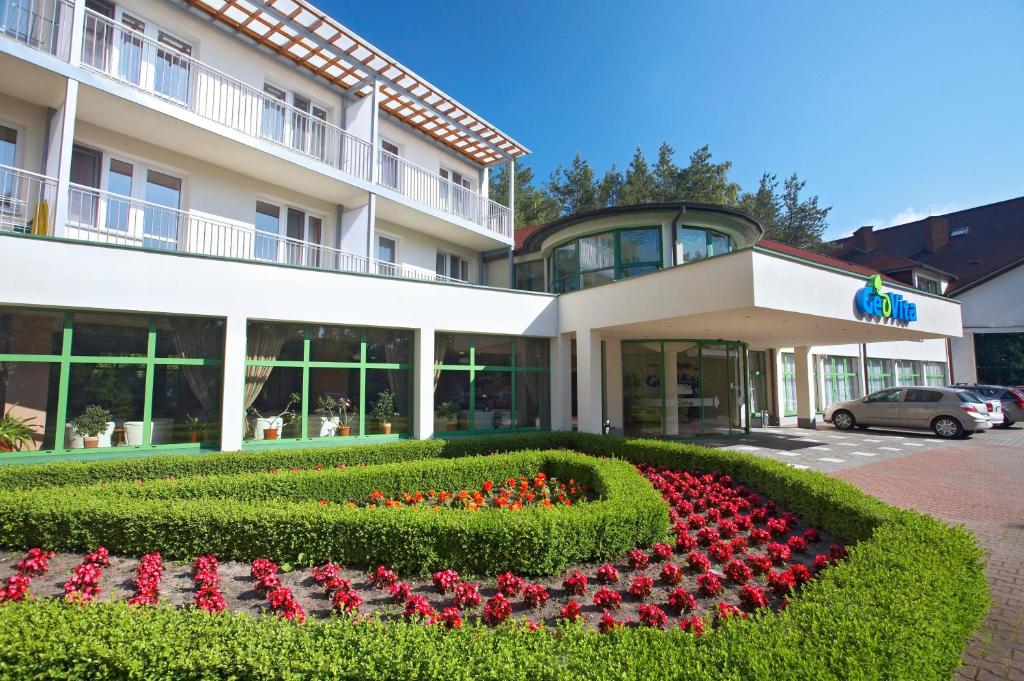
(902, 606)
(244, 516)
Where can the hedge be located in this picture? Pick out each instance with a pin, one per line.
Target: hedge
(902, 606)
(243, 516)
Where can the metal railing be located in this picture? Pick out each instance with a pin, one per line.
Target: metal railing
(164, 68)
(430, 189)
(26, 201)
(102, 217)
(41, 24)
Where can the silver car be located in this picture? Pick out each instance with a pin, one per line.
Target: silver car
(948, 412)
(1010, 399)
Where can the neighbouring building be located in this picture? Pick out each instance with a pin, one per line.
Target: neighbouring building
(234, 224)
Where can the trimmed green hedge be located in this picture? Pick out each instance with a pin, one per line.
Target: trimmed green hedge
(902, 606)
(244, 516)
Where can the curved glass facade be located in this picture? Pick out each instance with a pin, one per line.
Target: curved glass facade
(684, 388)
(697, 243)
(601, 258)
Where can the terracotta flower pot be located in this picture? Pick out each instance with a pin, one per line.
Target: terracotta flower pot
(385, 428)
(91, 442)
(344, 431)
(270, 433)
(193, 437)
(453, 425)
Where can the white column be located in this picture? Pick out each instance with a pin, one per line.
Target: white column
(77, 32)
(233, 395)
(670, 381)
(371, 227)
(561, 382)
(423, 406)
(375, 131)
(805, 413)
(613, 382)
(512, 190)
(588, 381)
(58, 163)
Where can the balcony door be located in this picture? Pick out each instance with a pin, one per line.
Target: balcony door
(304, 234)
(86, 168)
(389, 165)
(456, 194)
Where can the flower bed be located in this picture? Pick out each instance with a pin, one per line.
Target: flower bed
(278, 514)
(902, 605)
(512, 494)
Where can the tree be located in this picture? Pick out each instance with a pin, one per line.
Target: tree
(705, 182)
(639, 185)
(609, 188)
(574, 188)
(666, 174)
(800, 223)
(532, 205)
(765, 203)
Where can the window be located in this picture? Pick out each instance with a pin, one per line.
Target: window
(389, 165)
(8, 145)
(879, 374)
(8, 182)
(891, 395)
(788, 384)
(298, 244)
(908, 372)
(161, 226)
(457, 196)
(369, 369)
(530, 275)
(959, 231)
(119, 182)
(840, 379)
(268, 228)
(485, 383)
(598, 259)
(452, 266)
(697, 243)
(929, 285)
(387, 249)
(294, 120)
(159, 377)
(274, 105)
(925, 396)
(935, 373)
(173, 68)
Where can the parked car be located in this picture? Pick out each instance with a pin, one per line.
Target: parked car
(948, 412)
(1011, 399)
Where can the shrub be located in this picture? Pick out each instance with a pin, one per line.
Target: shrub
(902, 606)
(245, 516)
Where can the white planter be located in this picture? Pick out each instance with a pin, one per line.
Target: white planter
(323, 427)
(133, 433)
(73, 441)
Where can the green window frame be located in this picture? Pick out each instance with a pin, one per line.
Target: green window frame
(840, 375)
(908, 372)
(529, 275)
(476, 369)
(788, 384)
(147, 363)
(879, 374)
(713, 242)
(305, 364)
(576, 276)
(935, 374)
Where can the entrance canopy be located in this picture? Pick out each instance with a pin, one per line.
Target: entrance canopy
(762, 297)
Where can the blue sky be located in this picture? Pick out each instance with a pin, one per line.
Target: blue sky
(890, 110)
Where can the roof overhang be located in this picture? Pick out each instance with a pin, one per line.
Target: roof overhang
(303, 34)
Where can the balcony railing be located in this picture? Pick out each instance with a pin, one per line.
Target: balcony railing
(41, 24)
(26, 201)
(430, 189)
(101, 217)
(166, 70)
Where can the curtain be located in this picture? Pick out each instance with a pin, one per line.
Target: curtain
(265, 343)
(192, 340)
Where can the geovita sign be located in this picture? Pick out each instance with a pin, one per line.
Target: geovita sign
(874, 303)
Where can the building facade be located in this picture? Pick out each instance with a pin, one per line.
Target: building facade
(231, 226)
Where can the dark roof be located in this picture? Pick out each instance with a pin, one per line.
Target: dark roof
(993, 244)
(535, 234)
(819, 258)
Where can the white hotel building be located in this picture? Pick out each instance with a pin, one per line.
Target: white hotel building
(208, 207)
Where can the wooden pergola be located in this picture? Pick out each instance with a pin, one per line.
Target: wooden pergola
(303, 34)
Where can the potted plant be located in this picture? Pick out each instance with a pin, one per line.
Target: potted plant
(384, 410)
(449, 411)
(15, 433)
(496, 419)
(196, 428)
(90, 423)
(272, 426)
(336, 414)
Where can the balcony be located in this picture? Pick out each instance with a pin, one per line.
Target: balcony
(96, 216)
(43, 25)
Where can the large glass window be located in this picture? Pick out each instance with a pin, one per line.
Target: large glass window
(840, 379)
(697, 243)
(879, 374)
(935, 373)
(908, 372)
(598, 259)
(530, 275)
(683, 388)
(306, 382)
(159, 379)
(486, 383)
(788, 384)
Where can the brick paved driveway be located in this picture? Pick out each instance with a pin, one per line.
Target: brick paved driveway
(977, 482)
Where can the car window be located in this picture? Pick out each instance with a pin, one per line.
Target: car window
(885, 396)
(969, 397)
(923, 396)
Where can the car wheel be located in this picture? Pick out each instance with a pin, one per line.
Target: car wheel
(843, 420)
(947, 427)
(1006, 422)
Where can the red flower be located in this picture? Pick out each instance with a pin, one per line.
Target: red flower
(801, 574)
(812, 536)
(467, 594)
(652, 616)
(709, 584)
(445, 580)
(383, 577)
(417, 607)
(685, 542)
(694, 625)
(779, 553)
(607, 574)
(781, 583)
(450, 618)
(822, 561)
(752, 597)
(707, 535)
(681, 600)
(496, 610)
(661, 552)
(283, 604)
(571, 611)
(488, 485)
(605, 598)
(535, 595)
(837, 552)
(797, 544)
(400, 592)
(726, 610)
(759, 536)
(576, 583)
(608, 624)
(509, 584)
(759, 564)
(638, 559)
(720, 552)
(698, 561)
(671, 573)
(346, 601)
(738, 572)
(641, 586)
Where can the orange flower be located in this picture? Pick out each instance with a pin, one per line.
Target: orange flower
(516, 506)
(546, 503)
(488, 486)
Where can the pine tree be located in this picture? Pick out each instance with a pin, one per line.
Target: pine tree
(573, 189)
(532, 205)
(705, 182)
(639, 185)
(666, 174)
